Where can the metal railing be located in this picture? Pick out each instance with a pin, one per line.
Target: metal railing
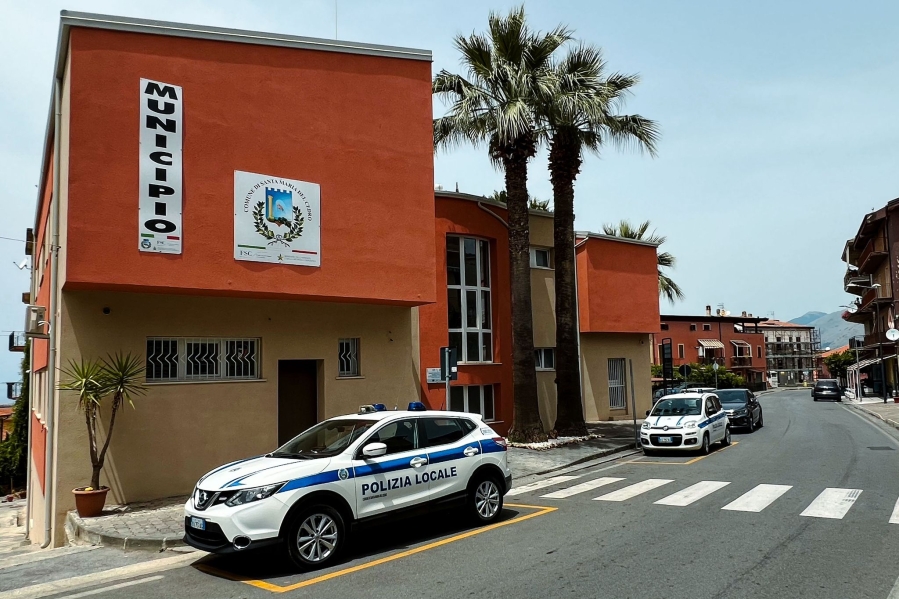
(14, 390)
(17, 341)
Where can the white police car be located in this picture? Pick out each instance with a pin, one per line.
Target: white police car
(345, 471)
(685, 421)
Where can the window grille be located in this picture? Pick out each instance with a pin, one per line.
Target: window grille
(468, 298)
(617, 390)
(201, 359)
(348, 357)
(476, 399)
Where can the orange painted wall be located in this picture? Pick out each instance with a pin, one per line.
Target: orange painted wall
(41, 346)
(462, 217)
(360, 126)
(618, 287)
(38, 447)
(680, 334)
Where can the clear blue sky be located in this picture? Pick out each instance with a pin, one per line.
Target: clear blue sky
(779, 126)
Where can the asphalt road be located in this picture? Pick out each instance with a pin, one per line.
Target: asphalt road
(634, 547)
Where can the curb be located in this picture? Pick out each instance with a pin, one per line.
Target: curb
(78, 533)
(887, 421)
(589, 458)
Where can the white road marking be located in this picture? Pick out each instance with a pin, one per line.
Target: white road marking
(39, 556)
(894, 519)
(582, 488)
(546, 482)
(55, 587)
(757, 499)
(692, 493)
(633, 490)
(832, 503)
(894, 594)
(121, 585)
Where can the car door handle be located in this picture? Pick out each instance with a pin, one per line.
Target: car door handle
(470, 451)
(416, 462)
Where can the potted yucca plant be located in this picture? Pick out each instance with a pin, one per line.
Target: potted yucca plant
(119, 376)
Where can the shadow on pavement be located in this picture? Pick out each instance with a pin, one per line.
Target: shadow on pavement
(372, 541)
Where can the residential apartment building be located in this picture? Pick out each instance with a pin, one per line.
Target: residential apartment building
(735, 342)
(276, 254)
(792, 351)
(871, 276)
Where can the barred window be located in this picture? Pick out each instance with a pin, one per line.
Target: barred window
(348, 357)
(201, 359)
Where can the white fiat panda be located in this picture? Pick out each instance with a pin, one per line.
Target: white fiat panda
(344, 471)
(685, 421)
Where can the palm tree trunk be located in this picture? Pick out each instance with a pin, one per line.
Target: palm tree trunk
(117, 401)
(90, 418)
(526, 423)
(564, 164)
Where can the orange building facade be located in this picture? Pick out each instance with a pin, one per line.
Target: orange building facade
(253, 216)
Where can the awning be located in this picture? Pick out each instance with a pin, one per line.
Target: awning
(711, 343)
(740, 343)
(868, 362)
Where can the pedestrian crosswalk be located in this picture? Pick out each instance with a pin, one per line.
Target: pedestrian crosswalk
(831, 503)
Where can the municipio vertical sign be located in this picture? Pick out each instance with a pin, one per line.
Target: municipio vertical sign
(161, 134)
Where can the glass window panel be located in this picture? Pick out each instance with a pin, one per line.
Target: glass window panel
(457, 399)
(455, 340)
(471, 262)
(488, 403)
(541, 258)
(485, 310)
(471, 309)
(474, 399)
(240, 358)
(549, 358)
(472, 346)
(485, 263)
(202, 359)
(486, 347)
(453, 270)
(454, 308)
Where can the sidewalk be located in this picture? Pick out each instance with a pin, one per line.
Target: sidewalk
(616, 436)
(888, 412)
(153, 525)
(12, 526)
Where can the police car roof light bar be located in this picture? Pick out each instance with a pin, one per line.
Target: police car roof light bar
(379, 407)
(366, 409)
(416, 406)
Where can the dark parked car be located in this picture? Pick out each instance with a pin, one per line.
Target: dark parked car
(742, 407)
(827, 389)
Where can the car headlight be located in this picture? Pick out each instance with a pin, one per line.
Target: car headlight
(249, 495)
(691, 424)
(741, 412)
(645, 426)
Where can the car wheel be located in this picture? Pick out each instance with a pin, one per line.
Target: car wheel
(704, 449)
(316, 536)
(648, 452)
(751, 426)
(485, 500)
(815, 397)
(761, 422)
(726, 440)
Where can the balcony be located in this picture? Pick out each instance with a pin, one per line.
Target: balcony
(874, 296)
(741, 361)
(17, 341)
(874, 253)
(856, 283)
(874, 339)
(14, 390)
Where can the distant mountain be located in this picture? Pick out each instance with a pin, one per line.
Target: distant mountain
(835, 332)
(808, 317)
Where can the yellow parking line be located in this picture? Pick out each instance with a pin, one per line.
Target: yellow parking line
(274, 588)
(687, 463)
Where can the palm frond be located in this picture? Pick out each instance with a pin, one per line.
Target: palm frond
(669, 289)
(85, 377)
(122, 376)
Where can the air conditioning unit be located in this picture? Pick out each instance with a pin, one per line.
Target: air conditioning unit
(36, 325)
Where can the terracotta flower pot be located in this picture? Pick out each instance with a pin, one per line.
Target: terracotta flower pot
(90, 503)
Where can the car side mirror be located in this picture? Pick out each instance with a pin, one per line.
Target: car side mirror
(647, 412)
(373, 450)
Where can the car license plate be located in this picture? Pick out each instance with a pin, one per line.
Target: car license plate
(198, 523)
(664, 439)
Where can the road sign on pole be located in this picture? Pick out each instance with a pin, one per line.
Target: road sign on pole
(684, 370)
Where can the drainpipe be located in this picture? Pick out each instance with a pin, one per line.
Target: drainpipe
(30, 418)
(52, 327)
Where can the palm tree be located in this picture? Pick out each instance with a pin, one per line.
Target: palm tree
(667, 287)
(494, 105)
(578, 109)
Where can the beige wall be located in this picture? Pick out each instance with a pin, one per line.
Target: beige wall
(596, 349)
(178, 431)
(543, 309)
(546, 397)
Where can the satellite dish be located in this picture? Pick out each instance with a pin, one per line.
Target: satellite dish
(892, 334)
(852, 309)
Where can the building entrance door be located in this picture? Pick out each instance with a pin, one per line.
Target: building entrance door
(297, 397)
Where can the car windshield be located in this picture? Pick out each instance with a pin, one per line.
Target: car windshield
(325, 439)
(732, 396)
(680, 406)
(827, 384)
